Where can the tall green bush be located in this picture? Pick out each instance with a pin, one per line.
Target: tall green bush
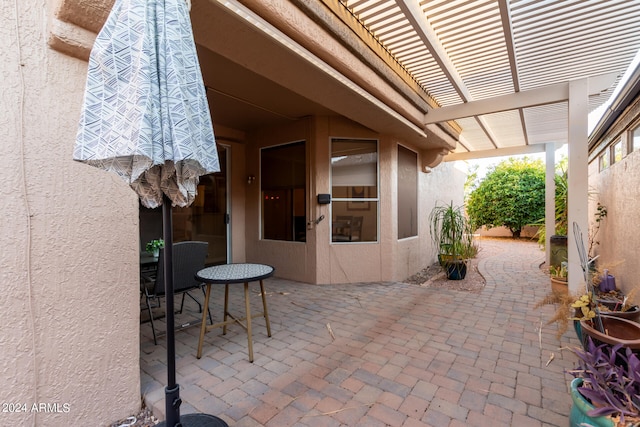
(510, 195)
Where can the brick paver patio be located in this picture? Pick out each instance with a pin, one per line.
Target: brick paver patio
(403, 355)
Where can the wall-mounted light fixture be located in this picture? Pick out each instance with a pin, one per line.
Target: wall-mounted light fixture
(250, 179)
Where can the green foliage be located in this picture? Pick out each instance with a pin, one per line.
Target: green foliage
(471, 183)
(451, 232)
(154, 245)
(511, 195)
(562, 202)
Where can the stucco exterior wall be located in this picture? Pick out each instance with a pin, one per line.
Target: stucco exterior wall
(291, 260)
(70, 288)
(442, 184)
(527, 231)
(320, 261)
(618, 188)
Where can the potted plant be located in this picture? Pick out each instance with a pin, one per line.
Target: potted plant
(606, 387)
(154, 246)
(615, 303)
(578, 308)
(559, 275)
(593, 322)
(451, 232)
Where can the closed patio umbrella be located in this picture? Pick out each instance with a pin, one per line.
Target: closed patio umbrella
(145, 117)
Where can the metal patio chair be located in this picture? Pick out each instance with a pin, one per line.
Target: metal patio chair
(188, 258)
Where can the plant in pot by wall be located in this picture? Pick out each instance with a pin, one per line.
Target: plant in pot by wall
(606, 387)
(596, 322)
(154, 246)
(581, 308)
(559, 275)
(452, 234)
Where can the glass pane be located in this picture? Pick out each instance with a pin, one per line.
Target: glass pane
(355, 221)
(283, 184)
(635, 136)
(617, 152)
(407, 193)
(354, 168)
(604, 160)
(205, 219)
(354, 190)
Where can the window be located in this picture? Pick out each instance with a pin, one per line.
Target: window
(635, 139)
(603, 160)
(616, 152)
(354, 190)
(283, 191)
(407, 193)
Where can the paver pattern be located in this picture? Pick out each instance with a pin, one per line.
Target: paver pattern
(400, 355)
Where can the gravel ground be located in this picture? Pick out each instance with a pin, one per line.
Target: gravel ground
(142, 419)
(434, 276)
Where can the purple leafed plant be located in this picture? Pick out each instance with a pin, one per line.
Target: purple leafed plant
(610, 380)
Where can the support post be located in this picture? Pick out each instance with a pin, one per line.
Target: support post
(549, 200)
(578, 176)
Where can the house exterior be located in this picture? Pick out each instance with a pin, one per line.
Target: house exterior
(305, 104)
(614, 174)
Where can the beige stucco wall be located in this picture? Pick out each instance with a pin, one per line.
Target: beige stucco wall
(320, 261)
(441, 185)
(618, 188)
(70, 289)
(527, 231)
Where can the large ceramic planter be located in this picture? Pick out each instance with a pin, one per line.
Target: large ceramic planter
(456, 270)
(578, 416)
(632, 314)
(619, 331)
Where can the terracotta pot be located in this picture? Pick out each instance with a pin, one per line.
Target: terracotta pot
(578, 416)
(632, 314)
(619, 331)
(559, 286)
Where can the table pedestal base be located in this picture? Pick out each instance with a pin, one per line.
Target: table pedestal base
(198, 420)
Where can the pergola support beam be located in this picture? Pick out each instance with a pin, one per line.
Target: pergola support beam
(549, 200)
(497, 152)
(551, 94)
(578, 181)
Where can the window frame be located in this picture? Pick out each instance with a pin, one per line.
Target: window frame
(417, 193)
(261, 191)
(375, 199)
(612, 157)
(631, 146)
(604, 160)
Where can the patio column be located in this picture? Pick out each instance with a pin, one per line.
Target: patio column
(578, 176)
(549, 199)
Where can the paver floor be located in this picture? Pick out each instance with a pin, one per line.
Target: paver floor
(400, 355)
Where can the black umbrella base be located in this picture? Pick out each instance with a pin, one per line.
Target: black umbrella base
(198, 420)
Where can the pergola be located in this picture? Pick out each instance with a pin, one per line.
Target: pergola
(517, 76)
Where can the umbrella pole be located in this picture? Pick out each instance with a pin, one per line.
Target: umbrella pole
(172, 391)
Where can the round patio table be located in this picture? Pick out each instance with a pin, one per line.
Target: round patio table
(226, 275)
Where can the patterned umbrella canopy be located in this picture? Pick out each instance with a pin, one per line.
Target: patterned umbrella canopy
(145, 117)
(145, 114)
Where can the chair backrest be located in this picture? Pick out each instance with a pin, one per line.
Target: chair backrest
(356, 228)
(188, 258)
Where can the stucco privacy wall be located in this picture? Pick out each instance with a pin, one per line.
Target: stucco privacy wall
(618, 188)
(619, 236)
(69, 302)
